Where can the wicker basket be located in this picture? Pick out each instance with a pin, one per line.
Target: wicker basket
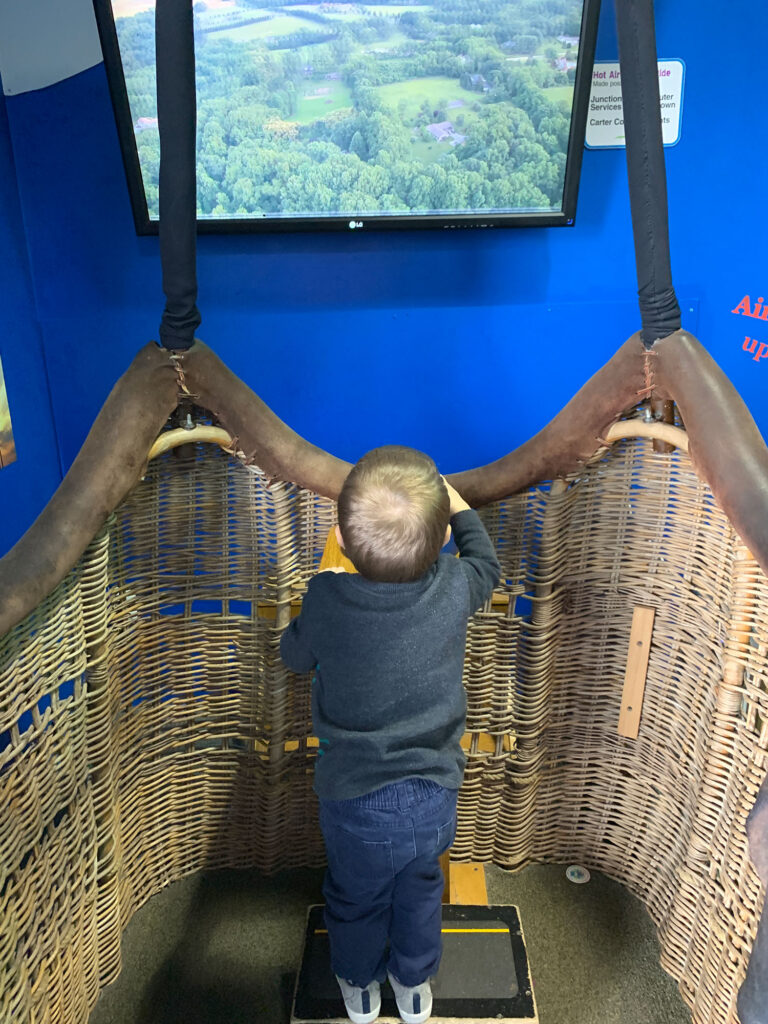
(148, 728)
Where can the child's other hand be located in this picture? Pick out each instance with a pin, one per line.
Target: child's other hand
(334, 568)
(457, 502)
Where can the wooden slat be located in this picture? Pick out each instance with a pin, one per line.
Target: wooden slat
(467, 885)
(485, 743)
(269, 611)
(333, 556)
(637, 670)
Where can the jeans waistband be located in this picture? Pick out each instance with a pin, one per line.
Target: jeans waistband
(396, 795)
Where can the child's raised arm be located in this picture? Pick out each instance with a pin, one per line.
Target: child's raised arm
(477, 556)
(457, 502)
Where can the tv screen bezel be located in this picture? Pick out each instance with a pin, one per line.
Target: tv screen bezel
(479, 219)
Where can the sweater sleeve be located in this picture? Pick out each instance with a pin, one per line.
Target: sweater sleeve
(295, 646)
(477, 557)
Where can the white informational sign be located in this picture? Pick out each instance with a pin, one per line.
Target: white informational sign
(605, 117)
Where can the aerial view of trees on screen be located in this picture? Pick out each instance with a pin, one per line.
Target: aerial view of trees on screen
(364, 108)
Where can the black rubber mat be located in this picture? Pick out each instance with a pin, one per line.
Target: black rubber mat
(483, 974)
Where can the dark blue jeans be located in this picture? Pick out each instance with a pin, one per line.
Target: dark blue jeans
(384, 883)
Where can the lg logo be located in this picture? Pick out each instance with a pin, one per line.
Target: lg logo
(355, 224)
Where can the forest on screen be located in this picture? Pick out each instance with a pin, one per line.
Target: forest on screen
(354, 108)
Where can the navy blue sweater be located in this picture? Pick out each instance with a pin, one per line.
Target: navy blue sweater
(387, 698)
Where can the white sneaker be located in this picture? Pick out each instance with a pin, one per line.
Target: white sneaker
(363, 1004)
(414, 1004)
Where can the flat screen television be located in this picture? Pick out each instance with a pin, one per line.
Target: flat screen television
(342, 115)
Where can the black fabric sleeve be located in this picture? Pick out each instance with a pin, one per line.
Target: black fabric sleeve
(659, 308)
(177, 124)
(477, 557)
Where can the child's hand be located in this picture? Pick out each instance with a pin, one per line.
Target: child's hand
(457, 502)
(334, 568)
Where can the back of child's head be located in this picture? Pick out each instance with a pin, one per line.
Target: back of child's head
(393, 513)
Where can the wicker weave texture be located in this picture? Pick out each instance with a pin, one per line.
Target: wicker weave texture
(148, 728)
(664, 813)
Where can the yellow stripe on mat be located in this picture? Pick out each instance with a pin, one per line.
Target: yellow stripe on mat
(501, 931)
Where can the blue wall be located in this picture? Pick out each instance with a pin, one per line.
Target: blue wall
(463, 344)
(27, 484)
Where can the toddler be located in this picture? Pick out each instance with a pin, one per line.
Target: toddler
(389, 708)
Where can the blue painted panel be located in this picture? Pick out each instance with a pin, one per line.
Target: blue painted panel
(27, 484)
(445, 380)
(464, 343)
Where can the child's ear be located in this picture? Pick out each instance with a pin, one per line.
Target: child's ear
(339, 538)
(447, 534)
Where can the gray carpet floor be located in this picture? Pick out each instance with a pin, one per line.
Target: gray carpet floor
(223, 948)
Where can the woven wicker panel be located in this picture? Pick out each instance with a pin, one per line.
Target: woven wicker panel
(490, 678)
(148, 728)
(206, 562)
(49, 907)
(664, 813)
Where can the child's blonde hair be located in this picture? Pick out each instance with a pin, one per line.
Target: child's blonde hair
(393, 513)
